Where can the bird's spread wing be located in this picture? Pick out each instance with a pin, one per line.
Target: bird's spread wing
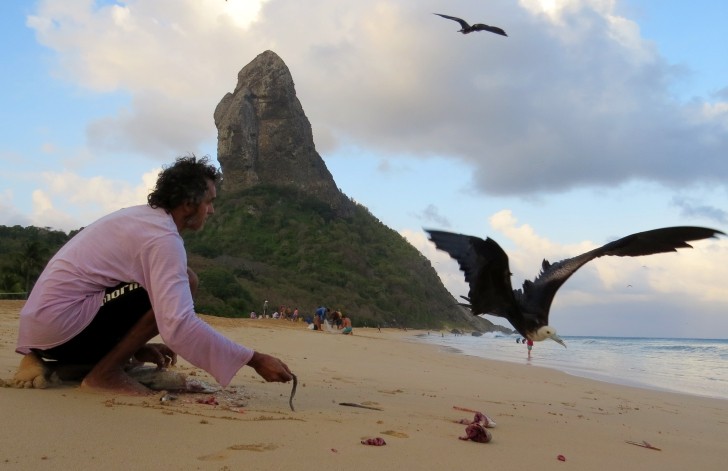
(492, 29)
(463, 23)
(485, 265)
(538, 294)
(667, 239)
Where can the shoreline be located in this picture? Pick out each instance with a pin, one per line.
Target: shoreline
(600, 378)
(540, 413)
(498, 349)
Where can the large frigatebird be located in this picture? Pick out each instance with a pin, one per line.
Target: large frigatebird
(485, 265)
(466, 28)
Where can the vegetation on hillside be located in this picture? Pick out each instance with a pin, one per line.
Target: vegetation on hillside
(277, 244)
(24, 251)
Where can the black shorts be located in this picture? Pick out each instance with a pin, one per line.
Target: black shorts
(121, 308)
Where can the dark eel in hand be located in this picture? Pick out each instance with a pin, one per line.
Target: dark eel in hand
(293, 392)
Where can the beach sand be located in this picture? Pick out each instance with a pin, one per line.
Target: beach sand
(540, 414)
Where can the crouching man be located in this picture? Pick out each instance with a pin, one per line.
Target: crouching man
(120, 282)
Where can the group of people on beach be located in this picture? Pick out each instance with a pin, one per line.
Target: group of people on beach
(284, 312)
(324, 318)
(338, 320)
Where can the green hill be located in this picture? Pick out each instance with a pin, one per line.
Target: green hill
(278, 244)
(24, 251)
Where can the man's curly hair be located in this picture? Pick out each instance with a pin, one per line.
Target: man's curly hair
(184, 181)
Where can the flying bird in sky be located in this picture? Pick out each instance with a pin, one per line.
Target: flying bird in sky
(485, 265)
(466, 28)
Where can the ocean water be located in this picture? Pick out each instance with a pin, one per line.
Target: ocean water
(689, 366)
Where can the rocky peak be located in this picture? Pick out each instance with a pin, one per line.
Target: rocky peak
(264, 136)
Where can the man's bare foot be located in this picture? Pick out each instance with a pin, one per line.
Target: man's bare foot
(114, 381)
(33, 372)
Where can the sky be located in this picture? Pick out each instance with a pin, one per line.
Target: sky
(592, 120)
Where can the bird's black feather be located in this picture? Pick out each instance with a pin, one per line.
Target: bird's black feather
(486, 270)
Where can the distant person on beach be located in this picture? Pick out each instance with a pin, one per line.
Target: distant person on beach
(336, 319)
(319, 317)
(529, 346)
(120, 282)
(346, 325)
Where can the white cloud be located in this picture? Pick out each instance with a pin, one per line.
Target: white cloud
(99, 191)
(142, 46)
(156, 126)
(573, 97)
(69, 201)
(41, 202)
(46, 215)
(9, 215)
(716, 112)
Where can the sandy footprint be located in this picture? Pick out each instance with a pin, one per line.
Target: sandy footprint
(394, 433)
(223, 455)
(33, 373)
(213, 457)
(369, 403)
(344, 380)
(254, 447)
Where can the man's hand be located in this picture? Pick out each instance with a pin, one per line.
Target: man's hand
(157, 353)
(270, 368)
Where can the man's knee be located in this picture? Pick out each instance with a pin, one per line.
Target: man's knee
(194, 281)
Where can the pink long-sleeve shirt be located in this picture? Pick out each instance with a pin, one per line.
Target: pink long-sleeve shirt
(139, 244)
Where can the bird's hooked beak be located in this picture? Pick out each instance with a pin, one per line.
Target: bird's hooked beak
(558, 340)
(548, 332)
